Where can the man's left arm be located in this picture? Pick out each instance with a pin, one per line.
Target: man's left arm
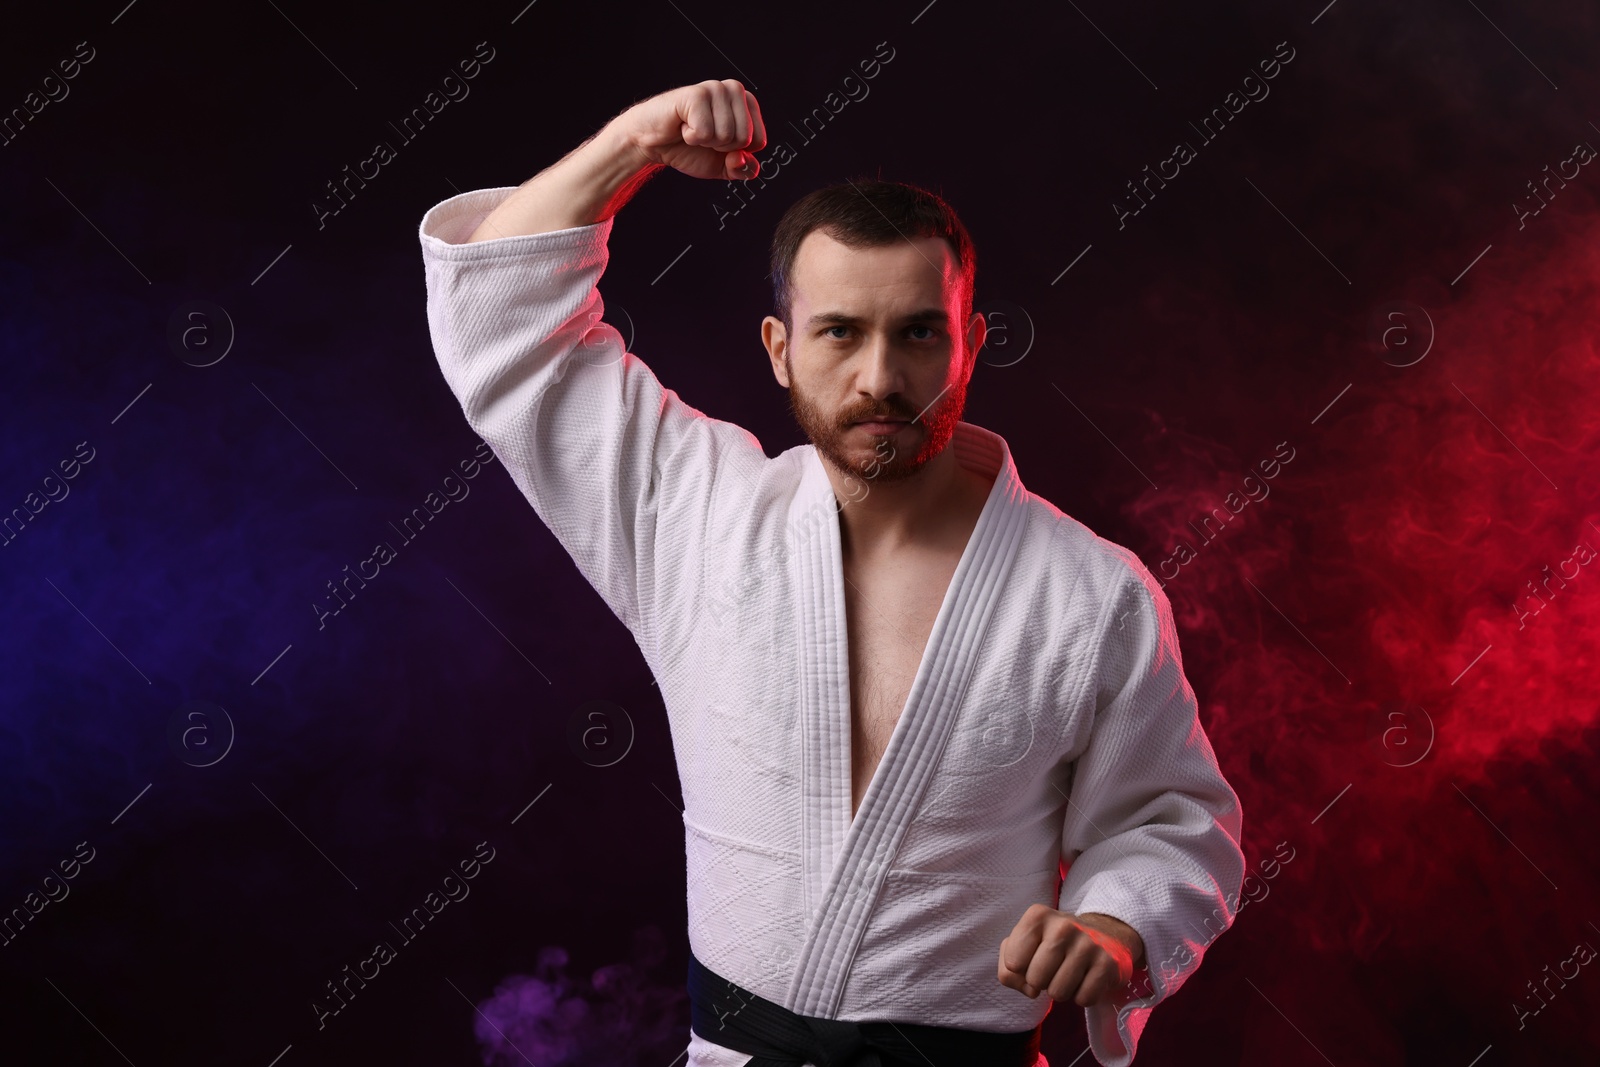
(1152, 828)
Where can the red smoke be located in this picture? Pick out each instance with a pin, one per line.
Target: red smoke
(1435, 546)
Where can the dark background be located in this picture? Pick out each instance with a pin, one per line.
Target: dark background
(1378, 683)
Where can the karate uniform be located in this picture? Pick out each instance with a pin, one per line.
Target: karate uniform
(1049, 750)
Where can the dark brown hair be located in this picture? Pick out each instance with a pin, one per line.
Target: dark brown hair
(867, 213)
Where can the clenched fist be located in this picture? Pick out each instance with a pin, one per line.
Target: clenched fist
(710, 129)
(1082, 958)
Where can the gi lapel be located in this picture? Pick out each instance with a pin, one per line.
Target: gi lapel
(845, 862)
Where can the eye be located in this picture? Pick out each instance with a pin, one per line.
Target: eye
(932, 333)
(830, 329)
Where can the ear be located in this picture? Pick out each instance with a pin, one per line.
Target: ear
(977, 330)
(776, 340)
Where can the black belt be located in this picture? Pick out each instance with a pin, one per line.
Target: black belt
(735, 1018)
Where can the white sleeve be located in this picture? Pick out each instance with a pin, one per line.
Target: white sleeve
(1157, 825)
(620, 469)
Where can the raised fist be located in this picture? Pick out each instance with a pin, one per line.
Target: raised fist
(707, 130)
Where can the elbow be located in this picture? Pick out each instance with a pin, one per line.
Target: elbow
(502, 387)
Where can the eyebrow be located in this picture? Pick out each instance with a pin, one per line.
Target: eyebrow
(839, 318)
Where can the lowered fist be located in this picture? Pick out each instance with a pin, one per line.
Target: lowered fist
(1082, 958)
(707, 130)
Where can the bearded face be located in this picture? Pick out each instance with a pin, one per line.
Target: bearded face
(875, 363)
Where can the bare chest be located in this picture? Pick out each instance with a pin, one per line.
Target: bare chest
(890, 611)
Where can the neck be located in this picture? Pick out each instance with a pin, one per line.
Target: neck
(936, 506)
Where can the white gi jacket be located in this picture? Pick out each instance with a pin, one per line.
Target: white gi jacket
(1052, 672)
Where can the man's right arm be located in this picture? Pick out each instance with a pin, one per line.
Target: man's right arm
(604, 453)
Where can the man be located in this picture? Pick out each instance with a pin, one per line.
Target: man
(941, 767)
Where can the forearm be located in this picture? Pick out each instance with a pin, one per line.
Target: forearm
(587, 185)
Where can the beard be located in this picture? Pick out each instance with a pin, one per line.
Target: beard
(875, 457)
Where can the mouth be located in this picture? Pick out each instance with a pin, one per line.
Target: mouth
(882, 426)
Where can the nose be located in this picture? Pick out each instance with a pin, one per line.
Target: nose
(878, 372)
